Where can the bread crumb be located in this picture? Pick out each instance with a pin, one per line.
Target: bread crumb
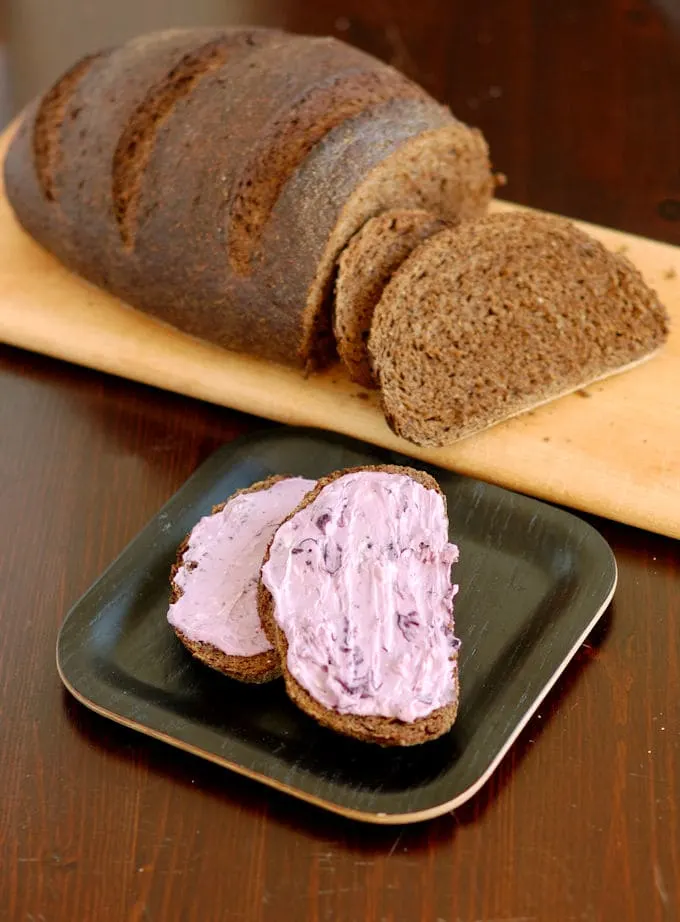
(670, 274)
(583, 393)
(546, 438)
(362, 395)
(622, 249)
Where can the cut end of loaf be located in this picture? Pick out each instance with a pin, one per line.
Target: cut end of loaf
(444, 171)
(499, 315)
(290, 139)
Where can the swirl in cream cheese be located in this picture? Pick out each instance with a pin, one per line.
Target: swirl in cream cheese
(362, 590)
(221, 569)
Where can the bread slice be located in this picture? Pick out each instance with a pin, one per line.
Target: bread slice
(364, 268)
(211, 177)
(498, 315)
(201, 624)
(311, 607)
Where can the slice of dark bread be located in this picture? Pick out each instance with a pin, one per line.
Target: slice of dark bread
(499, 315)
(364, 268)
(211, 177)
(386, 731)
(256, 668)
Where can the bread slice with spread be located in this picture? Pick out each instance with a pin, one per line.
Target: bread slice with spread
(213, 606)
(356, 597)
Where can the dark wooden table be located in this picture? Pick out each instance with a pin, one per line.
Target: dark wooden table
(580, 100)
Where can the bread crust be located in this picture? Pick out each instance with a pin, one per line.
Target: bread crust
(262, 667)
(385, 731)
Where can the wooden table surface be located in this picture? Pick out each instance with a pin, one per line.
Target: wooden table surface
(580, 101)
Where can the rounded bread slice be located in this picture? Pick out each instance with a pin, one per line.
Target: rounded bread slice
(499, 315)
(433, 719)
(257, 667)
(364, 268)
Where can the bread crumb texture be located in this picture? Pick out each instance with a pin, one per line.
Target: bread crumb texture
(488, 319)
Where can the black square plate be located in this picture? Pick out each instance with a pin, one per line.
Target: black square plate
(534, 581)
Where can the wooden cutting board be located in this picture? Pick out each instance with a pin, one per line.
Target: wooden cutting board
(613, 450)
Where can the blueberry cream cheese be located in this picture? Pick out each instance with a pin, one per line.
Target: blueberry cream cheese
(214, 583)
(357, 595)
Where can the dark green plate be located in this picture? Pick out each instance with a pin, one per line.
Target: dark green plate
(534, 581)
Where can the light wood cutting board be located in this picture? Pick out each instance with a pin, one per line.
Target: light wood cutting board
(613, 450)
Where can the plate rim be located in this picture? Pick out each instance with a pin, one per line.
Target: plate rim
(380, 818)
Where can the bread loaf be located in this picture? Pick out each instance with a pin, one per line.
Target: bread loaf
(356, 596)
(498, 315)
(212, 177)
(364, 268)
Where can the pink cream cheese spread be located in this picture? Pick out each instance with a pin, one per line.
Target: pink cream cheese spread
(221, 569)
(362, 590)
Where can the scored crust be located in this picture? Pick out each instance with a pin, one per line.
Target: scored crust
(262, 667)
(387, 731)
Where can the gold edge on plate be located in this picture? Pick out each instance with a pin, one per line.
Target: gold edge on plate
(385, 819)
(381, 819)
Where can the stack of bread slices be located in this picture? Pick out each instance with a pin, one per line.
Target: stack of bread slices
(294, 198)
(342, 585)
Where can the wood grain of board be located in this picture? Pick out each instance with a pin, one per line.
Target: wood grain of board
(612, 449)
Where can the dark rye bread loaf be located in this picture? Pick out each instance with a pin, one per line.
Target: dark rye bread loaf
(261, 667)
(498, 315)
(212, 177)
(385, 731)
(364, 268)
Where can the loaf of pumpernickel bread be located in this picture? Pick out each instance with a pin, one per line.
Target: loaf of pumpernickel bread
(212, 177)
(357, 599)
(496, 316)
(364, 268)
